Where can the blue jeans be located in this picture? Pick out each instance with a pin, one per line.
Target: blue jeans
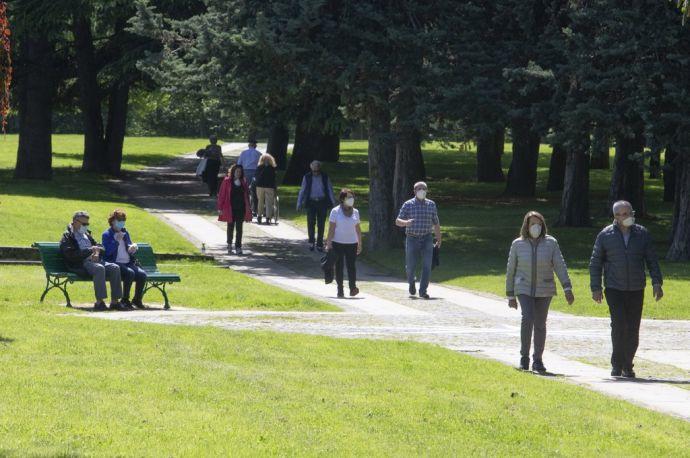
(416, 249)
(131, 273)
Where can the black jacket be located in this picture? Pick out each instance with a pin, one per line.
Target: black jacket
(265, 176)
(69, 247)
(623, 267)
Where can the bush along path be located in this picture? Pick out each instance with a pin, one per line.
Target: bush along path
(577, 347)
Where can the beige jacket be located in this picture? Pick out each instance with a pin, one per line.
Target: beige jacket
(531, 265)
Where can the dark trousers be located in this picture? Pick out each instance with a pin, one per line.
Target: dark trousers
(316, 216)
(346, 253)
(236, 227)
(132, 273)
(625, 308)
(212, 168)
(534, 313)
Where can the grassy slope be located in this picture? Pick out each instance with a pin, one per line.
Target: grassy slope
(74, 385)
(479, 224)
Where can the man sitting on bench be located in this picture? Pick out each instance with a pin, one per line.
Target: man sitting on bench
(83, 256)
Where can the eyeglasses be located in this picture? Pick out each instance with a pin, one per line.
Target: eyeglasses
(83, 223)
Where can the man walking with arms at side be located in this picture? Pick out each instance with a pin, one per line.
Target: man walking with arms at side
(621, 252)
(419, 217)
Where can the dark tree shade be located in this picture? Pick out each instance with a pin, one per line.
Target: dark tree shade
(557, 169)
(669, 171)
(522, 175)
(381, 160)
(117, 124)
(409, 166)
(489, 152)
(575, 199)
(601, 159)
(680, 241)
(36, 92)
(278, 140)
(627, 181)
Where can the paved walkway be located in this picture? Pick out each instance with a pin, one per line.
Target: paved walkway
(459, 320)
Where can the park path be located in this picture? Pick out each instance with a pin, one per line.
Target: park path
(464, 321)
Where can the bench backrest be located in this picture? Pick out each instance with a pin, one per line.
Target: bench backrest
(146, 257)
(51, 257)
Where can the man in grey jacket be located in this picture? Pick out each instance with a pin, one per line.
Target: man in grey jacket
(621, 251)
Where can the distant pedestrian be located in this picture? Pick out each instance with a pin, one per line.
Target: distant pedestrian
(345, 239)
(533, 258)
(249, 160)
(316, 196)
(419, 217)
(233, 205)
(265, 187)
(621, 252)
(214, 160)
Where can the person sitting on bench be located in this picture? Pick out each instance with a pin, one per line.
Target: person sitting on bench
(120, 250)
(83, 256)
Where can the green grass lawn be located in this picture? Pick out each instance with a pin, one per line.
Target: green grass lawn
(479, 224)
(39, 210)
(74, 385)
(204, 285)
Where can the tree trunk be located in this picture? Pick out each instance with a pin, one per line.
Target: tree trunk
(381, 158)
(489, 152)
(601, 159)
(522, 175)
(328, 146)
(575, 201)
(117, 126)
(36, 92)
(557, 169)
(680, 243)
(655, 165)
(278, 140)
(409, 165)
(95, 156)
(669, 171)
(627, 180)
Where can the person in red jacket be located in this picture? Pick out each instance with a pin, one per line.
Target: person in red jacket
(233, 205)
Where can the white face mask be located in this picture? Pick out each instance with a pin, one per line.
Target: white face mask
(535, 230)
(349, 202)
(629, 221)
(421, 194)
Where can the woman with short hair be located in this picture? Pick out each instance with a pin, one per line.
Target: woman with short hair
(265, 180)
(533, 258)
(345, 239)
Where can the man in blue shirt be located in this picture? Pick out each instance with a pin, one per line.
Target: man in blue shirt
(316, 195)
(249, 160)
(419, 217)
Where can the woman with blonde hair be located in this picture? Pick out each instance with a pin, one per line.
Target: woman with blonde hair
(533, 258)
(265, 187)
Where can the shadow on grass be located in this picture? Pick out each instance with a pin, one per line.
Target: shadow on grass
(6, 340)
(139, 159)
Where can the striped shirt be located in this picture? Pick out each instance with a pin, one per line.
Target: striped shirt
(424, 216)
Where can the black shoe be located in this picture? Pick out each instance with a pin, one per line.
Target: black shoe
(354, 291)
(616, 372)
(424, 295)
(100, 306)
(258, 220)
(412, 290)
(117, 306)
(311, 247)
(538, 366)
(524, 363)
(341, 293)
(127, 304)
(319, 248)
(628, 373)
(138, 304)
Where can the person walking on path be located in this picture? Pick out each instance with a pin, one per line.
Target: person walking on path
(533, 258)
(265, 187)
(249, 160)
(233, 205)
(345, 239)
(419, 217)
(120, 250)
(83, 256)
(214, 160)
(316, 195)
(621, 251)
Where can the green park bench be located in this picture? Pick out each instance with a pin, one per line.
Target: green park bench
(58, 276)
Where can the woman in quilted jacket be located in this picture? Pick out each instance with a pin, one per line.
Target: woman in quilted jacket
(534, 257)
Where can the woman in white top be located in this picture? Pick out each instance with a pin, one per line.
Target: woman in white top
(345, 239)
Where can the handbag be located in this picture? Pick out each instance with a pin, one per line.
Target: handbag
(201, 167)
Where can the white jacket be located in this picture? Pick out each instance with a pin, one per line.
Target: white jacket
(531, 265)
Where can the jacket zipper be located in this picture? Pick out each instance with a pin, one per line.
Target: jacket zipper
(627, 261)
(534, 267)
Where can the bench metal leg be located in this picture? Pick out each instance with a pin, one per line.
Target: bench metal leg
(55, 282)
(160, 286)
